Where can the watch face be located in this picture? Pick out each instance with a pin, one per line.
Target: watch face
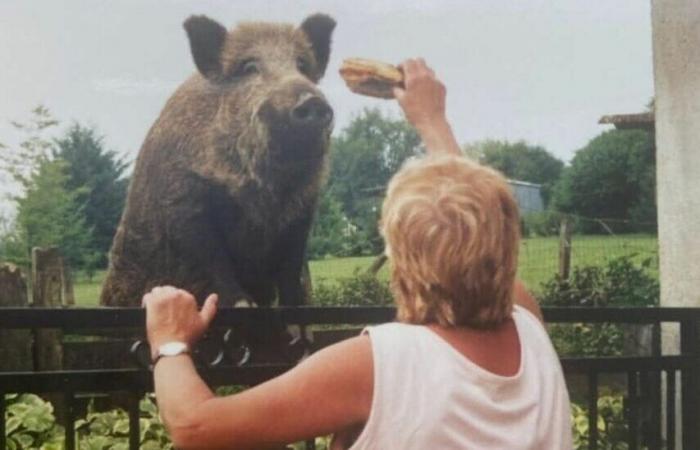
(172, 348)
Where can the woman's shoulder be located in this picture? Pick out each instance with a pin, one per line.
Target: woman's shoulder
(393, 331)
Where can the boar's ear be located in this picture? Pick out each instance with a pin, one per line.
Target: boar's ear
(318, 28)
(206, 42)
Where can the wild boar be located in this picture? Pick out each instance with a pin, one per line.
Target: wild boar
(226, 183)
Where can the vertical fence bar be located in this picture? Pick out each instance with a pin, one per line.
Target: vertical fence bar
(671, 409)
(565, 231)
(69, 420)
(592, 410)
(633, 417)
(3, 444)
(655, 390)
(134, 431)
(690, 385)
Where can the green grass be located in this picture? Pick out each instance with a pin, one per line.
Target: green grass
(538, 261)
(331, 270)
(87, 292)
(539, 257)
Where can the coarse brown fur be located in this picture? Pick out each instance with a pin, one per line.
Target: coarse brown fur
(226, 183)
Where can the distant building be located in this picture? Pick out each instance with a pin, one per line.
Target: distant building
(528, 196)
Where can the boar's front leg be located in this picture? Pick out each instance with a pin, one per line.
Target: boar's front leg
(204, 249)
(290, 252)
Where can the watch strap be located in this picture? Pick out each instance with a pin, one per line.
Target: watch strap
(162, 353)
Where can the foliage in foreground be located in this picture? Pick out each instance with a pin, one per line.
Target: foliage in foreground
(31, 424)
(612, 427)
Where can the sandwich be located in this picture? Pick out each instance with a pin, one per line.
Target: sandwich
(373, 78)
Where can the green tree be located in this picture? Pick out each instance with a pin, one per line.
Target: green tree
(519, 161)
(48, 211)
(48, 214)
(97, 174)
(330, 229)
(21, 163)
(364, 157)
(613, 177)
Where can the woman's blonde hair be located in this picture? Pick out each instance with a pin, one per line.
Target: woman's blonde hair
(452, 233)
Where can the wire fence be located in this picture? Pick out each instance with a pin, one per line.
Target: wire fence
(540, 256)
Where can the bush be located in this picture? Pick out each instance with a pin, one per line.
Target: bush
(30, 424)
(619, 283)
(612, 427)
(110, 430)
(362, 289)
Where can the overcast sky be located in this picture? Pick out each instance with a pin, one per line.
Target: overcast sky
(537, 70)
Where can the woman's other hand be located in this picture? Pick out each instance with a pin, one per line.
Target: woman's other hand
(423, 102)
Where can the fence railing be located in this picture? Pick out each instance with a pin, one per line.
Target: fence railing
(650, 379)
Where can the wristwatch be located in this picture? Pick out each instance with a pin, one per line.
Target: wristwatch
(172, 348)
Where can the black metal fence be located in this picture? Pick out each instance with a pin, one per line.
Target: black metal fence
(651, 380)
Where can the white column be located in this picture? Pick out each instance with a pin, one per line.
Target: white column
(676, 34)
(676, 44)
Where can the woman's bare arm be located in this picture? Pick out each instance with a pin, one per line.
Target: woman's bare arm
(330, 391)
(423, 102)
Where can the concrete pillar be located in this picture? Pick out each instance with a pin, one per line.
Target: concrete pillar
(676, 44)
(676, 34)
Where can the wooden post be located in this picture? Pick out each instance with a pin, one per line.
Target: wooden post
(67, 281)
(47, 275)
(15, 345)
(565, 248)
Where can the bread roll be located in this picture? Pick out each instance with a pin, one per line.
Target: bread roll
(373, 78)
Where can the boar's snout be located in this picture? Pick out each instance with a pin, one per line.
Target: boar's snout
(311, 111)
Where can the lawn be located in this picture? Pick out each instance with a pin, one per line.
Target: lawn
(538, 261)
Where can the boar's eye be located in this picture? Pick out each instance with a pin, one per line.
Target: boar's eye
(303, 66)
(248, 67)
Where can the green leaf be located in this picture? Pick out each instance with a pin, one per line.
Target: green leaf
(24, 440)
(151, 445)
(143, 428)
(12, 424)
(121, 426)
(53, 446)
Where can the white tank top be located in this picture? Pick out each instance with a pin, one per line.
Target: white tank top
(427, 395)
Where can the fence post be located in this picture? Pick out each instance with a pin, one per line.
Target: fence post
(690, 385)
(15, 345)
(47, 292)
(67, 281)
(565, 248)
